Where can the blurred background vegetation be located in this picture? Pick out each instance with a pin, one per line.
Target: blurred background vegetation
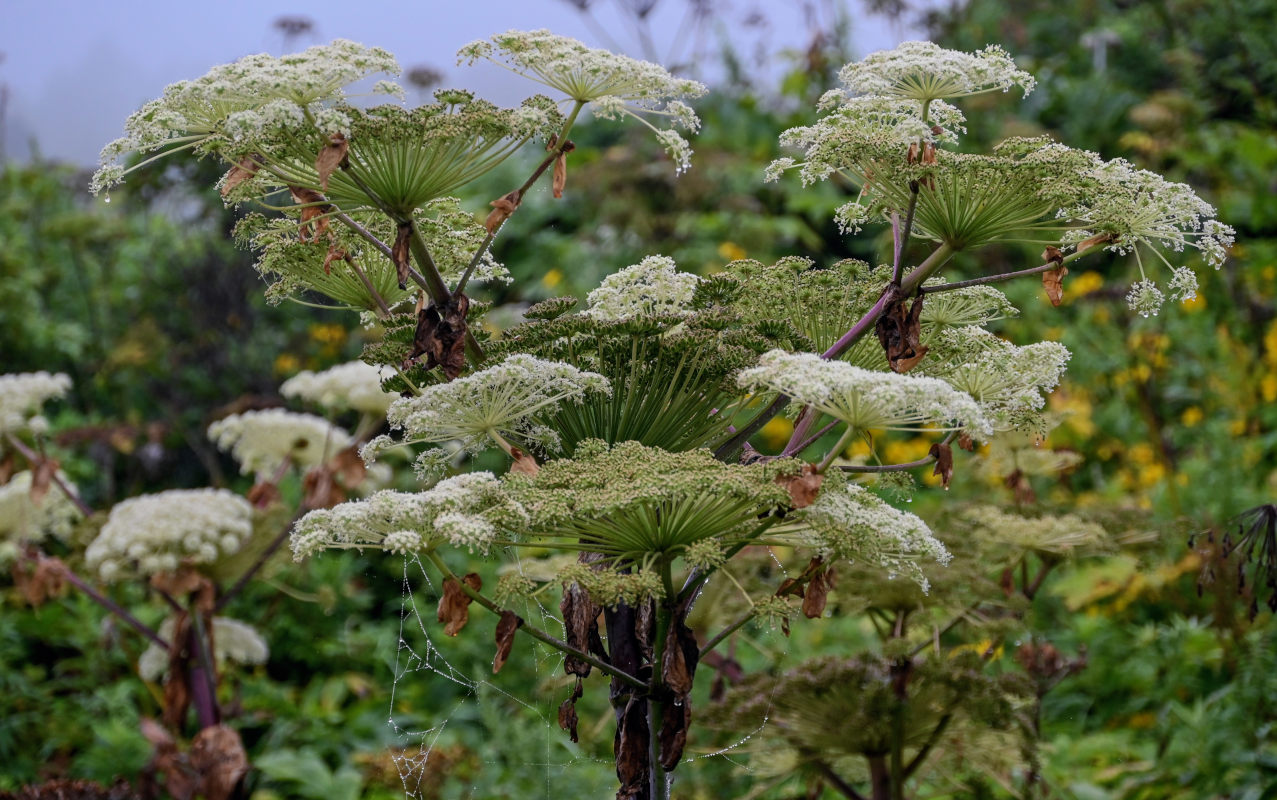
(162, 325)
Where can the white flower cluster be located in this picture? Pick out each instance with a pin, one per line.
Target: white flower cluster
(502, 400)
(239, 101)
(233, 642)
(865, 399)
(853, 523)
(1052, 534)
(465, 511)
(652, 286)
(353, 385)
(160, 532)
(1006, 380)
(261, 440)
(1145, 298)
(925, 71)
(615, 85)
(21, 396)
(23, 521)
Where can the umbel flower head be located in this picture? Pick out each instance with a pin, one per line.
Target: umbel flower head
(615, 85)
(638, 504)
(235, 103)
(924, 72)
(851, 523)
(651, 287)
(262, 440)
(351, 386)
(22, 520)
(865, 399)
(22, 394)
(234, 642)
(159, 532)
(465, 511)
(500, 402)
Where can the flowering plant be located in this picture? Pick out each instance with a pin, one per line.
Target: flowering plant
(624, 430)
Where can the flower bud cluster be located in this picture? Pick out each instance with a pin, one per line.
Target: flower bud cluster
(234, 642)
(23, 521)
(22, 394)
(261, 441)
(351, 386)
(651, 287)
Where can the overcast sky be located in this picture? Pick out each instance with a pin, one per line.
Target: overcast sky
(74, 69)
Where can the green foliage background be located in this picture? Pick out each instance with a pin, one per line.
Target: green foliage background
(160, 322)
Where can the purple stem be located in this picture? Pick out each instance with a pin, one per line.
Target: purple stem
(110, 605)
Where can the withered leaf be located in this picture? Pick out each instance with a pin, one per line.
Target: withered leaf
(804, 487)
(180, 780)
(580, 622)
(929, 153)
(899, 331)
(331, 156)
(790, 586)
(242, 171)
(40, 579)
(502, 208)
(678, 665)
(264, 494)
(319, 490)
(560, 175)
(1053, 282)
(506, 627)
(42, 473)
(1018, 482)
(676, 718)
(966, 442)
(817, 594)
(524, 463)
(399, 252)
(349, 467)
(567, 711)
(177, 689)
(335, 253)
(186, 582)
(454, 605)
(1099, 238)
(217, 756)
(1006, 582)
(8, 466)
(726, 668)
(312, 213)
(912, 156)
(441, 336)
(631, 747)
(943, 454)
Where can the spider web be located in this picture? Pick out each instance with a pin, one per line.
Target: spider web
(560, 769)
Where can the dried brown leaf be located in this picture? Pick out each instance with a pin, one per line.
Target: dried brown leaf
(40, 579)
(8, 466)
(184, 582)
(264, 494)
(678, 664)
(245, 169)
(335, 253)
(817, 591)
(177, 689)
(560, 175)
(319, 490)
(1053, 282)
(804, 487)
(567, 712)
(790, 586)
(349, 467)
(966, 442)
(524, 463)
(676, 718)
(580, 624)
(1099, 238)
(313, 213)
(331, 156)
(899, 331)
(217, 756)
(42, 473)
(400, 252)
(631, 748)
(943, 454)
(502, 208)
(441, 336)
(454, 605)
(506, 627)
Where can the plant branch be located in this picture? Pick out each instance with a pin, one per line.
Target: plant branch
(837, 782)
(110, 605)
(902, 238)
(433, 283)
(891, 468)
(372, 290)
(536, 633)
(259, 562)
(809, 441)
(34, 458)
(922, 753)
(1004, 276)
(718, 638)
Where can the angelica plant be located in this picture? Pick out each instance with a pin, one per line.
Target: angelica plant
(626, 426)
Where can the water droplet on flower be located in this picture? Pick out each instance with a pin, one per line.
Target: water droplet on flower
(106, 199)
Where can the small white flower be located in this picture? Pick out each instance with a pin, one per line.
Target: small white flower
(23, 521)
(1183, 284)
(924, 71)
